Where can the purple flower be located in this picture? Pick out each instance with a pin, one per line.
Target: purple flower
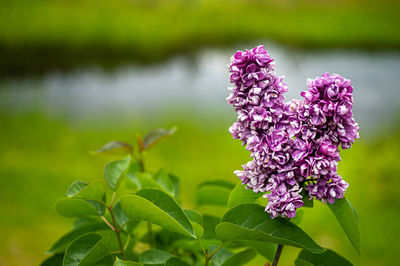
(290, 141)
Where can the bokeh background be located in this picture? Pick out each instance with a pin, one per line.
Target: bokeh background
(77, 74)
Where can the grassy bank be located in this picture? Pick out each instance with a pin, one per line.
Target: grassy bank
(40, 156)
(43, 34)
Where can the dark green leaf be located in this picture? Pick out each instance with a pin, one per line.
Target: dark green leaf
(86, 250)
(267, 250)
(61, 245)
(210, 222)
(123, 220)
(194, 216)
(165, 181)
(220, 256)
(309, 203)
(75, 207)
(175, 181)
(145, 180)
(119, 262)
(55, 260)
(115, 147)
(99, 205)
(242, 195)
(248, 221)
(155, 136)
(157, 207)
(327, 258)
(175, 262)
(154, 256)
(198, 229)
(240, 258)
(115, 170)
(347, 218)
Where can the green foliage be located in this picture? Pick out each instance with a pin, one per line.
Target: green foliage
(157, 207)
(82, 190)
(347, 217)
(157, 135)
(162, 178)
(241, 195)
(114, 171)
(327, 258)
(61, 245)
(107, 232)
(224, 257)
(154, 257)
(248, 221)
(75, 207)
(119, 262)
(115, 147)
(87, 250)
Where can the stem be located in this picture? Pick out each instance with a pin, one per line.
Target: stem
(108, 223)
(117, 231)
(277, 255)
(114, 225)
(141, 162)
(209, 256)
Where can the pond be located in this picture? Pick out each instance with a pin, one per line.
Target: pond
(199, 84)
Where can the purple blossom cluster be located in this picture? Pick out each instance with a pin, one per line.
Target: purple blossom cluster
(294, 145)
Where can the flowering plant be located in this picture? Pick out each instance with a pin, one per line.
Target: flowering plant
(295, 144)
(134, 216)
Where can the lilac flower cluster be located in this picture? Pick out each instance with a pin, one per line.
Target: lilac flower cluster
(294, 145)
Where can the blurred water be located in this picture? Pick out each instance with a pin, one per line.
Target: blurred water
(200, 84)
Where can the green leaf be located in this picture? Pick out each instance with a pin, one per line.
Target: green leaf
(122, 218)
(157, 207)
(220, 256)
(99, 205)
(154, 256)
(61, 245)
(214, 193)
(242, 195)
(145, 180)
(210, 222)
(175, 181)
(155, 136)
(224, 257)
(265, 249)
(194, 216)
(248, 221)
(75, 207)
(327, 258)
(309, 203)
(115, 147)
(82, 190)
(86, 250)
(115, 170)
(55, 260)
(240, 258)
(175, 262)
(165, 181)
(119, 262)
(347, 218)
(198, 229)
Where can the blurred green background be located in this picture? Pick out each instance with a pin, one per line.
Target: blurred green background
(77, 74)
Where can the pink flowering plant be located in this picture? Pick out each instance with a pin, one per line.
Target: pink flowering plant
(134, 216)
